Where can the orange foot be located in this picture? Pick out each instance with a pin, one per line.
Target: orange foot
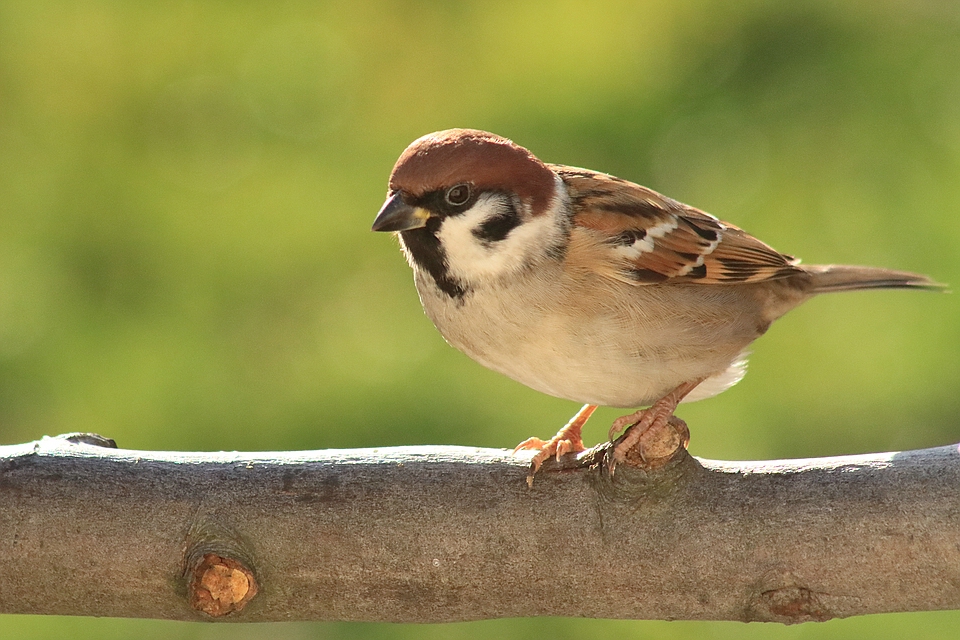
(567, 440)
(658, 416)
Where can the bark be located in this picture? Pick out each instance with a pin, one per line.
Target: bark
(437, 534)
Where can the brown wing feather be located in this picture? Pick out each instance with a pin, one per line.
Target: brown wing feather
(652, 238)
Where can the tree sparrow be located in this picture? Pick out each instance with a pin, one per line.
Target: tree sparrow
(589, 287)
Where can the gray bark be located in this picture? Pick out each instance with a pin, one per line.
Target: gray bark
(437, 534)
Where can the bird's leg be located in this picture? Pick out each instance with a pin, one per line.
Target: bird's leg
(654, 418)
(567, 440)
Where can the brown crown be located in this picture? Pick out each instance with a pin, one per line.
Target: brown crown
(485, 160)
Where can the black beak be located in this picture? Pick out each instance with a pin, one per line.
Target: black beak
(397, 215)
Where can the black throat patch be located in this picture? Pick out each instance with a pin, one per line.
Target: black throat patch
(429, 255)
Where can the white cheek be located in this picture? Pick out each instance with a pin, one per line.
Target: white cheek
(470, 259)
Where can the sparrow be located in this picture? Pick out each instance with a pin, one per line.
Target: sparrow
(589, 287)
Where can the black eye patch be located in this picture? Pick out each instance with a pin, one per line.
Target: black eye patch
(438, 203)
(499, 226)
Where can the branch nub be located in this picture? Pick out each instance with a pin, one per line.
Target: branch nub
(221, 586)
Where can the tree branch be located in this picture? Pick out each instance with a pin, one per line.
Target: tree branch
(437, 534)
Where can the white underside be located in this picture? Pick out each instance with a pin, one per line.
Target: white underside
(621, 346)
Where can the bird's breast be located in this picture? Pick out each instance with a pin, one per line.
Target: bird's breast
(596, 341)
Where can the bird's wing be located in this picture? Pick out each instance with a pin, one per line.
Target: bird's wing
(647, 238)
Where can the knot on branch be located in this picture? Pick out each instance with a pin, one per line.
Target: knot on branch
(656, 448)
(221, 586)
(791, 605)
(218, 569)
(93, 439)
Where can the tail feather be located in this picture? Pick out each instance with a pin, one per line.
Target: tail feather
(838, 277)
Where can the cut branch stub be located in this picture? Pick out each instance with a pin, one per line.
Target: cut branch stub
(218, 568)
(220, 586)
(657, 447)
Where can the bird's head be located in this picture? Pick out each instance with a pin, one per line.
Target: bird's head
(471, 207)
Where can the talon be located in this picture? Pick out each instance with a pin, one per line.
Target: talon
(534, 466)
(611, 462)
(567, 440)
(530, 443)
(530, 479)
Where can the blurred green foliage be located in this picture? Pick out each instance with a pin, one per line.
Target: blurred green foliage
(186, 190)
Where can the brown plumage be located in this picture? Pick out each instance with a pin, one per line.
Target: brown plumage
(589, 287)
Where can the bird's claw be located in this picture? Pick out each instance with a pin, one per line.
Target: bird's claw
(558, 446)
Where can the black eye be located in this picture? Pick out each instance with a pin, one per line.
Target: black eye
(458, 195)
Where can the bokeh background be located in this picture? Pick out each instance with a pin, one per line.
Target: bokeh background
(186, 190)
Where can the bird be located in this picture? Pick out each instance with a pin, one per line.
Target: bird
(589, 287)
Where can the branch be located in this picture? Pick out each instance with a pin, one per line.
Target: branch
(438, 534)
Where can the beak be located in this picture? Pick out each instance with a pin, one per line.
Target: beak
(397, 215)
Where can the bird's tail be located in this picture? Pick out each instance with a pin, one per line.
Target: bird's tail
(838, 277)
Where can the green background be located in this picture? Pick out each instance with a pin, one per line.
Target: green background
(186, 190)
